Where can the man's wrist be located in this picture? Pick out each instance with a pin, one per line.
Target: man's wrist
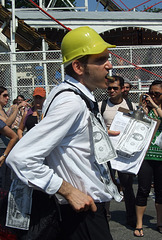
(4, 155)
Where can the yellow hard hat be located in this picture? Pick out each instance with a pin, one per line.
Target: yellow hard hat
(80, 42)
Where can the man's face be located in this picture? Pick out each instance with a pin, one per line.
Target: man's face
(156, 94)
(38, 101)
(19, 100)
(126, 89)
(114, 90)
(96, 70)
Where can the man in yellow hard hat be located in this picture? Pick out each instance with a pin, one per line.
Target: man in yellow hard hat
(74, 143)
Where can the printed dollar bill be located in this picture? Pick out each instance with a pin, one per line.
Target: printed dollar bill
(134, 138)
(19, 205)
(103, 148)
(110, 187)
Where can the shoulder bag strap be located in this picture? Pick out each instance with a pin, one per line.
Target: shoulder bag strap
(69, 90)
(103, 106)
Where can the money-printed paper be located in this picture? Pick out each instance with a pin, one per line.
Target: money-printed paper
(110, 187)
(103, 148)
(19, 205)
(134, 138)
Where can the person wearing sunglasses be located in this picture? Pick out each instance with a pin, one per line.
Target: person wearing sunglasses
(151, 167)
(4, 97)
(108, 109)
(5, 172)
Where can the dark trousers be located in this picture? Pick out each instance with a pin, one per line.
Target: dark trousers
(5, 174)
(44, 222)
(149, 169)
(84, 225)
(126, 181)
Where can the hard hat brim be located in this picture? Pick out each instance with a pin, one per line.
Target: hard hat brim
(97, 50)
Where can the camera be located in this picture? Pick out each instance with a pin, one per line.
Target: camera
(144, 97)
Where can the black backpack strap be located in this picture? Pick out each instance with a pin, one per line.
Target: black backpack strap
(103, 106)
(129, 103)
(69, 90)
(104, 102)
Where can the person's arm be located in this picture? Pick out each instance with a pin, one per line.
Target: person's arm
(10, 110)
(27, 157)
(6, 131)
(16, 108)
(77, 199)
(2, 118)
(150, 102)
(159, 111)
(21, 126)
(143, 103)
(154, 106)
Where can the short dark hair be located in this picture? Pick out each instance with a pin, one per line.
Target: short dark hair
(116, 78)
(69, 69)
(20, 96)
(2, 89)
(156, 82)
(15, 101)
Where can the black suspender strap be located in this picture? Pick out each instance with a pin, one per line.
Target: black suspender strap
(104, 102)
(103, 106)
(69, 90)
(129, 103)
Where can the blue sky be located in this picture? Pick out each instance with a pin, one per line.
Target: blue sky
(92, 4)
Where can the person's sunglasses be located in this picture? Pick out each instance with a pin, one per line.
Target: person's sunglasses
(114, 88)
(5, 95)
(155, 94)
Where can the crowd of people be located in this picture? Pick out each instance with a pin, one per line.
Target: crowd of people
(61, 154)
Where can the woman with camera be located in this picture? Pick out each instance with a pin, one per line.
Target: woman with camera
(152, 164)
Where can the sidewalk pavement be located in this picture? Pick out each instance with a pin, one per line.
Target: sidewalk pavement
(119, 229)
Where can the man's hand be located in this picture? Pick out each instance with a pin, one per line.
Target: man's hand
(24, 104)
(2, 159)
(77, 199)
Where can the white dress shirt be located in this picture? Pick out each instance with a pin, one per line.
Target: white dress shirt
(60, 147)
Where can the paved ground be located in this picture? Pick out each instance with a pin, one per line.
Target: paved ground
(120, 231)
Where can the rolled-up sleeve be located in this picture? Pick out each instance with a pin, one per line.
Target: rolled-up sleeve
(27, 158)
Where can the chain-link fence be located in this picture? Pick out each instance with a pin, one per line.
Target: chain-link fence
(21, 72)
(147, 67)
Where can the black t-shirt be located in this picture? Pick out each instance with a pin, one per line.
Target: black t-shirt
(31, 121)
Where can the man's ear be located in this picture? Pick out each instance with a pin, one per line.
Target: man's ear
(78, 67)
